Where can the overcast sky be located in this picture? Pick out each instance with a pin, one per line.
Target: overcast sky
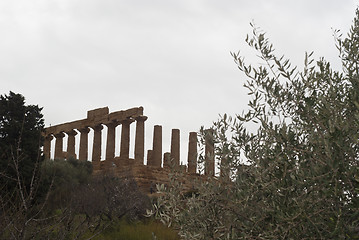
(171, 57)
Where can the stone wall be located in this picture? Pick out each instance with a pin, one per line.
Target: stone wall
(159, 164)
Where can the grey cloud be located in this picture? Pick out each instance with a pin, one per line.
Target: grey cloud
(172, 57)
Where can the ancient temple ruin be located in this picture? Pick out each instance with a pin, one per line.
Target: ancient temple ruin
(159, 164)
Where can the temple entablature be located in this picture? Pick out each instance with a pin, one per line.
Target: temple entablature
(96, 120)
(96, 117)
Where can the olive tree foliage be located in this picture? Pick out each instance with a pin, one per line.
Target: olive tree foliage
(297, 175)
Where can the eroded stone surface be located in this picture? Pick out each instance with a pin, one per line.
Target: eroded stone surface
(97, 143)
(157, 146)
(192, 152)
(71, 144)
(125, 138)
(59, 145)
(95, 119)
(111, 140)
(140, 139)
(175, 147)
(83, 152)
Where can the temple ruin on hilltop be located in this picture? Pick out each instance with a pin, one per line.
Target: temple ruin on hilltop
(123, 166)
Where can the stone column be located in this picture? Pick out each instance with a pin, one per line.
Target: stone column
(111, 140)
(149, 158)
(175, 147)
(59, 145)
(157, 146)
(125, 139)
(83, 153)
(209, 153)
(97, 144)
(192, 152)
(140, 139)
(47, 146)
(71, 144)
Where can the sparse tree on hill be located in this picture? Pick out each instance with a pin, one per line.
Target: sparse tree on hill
(54, 199)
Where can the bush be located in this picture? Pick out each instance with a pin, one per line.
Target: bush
(63, 177)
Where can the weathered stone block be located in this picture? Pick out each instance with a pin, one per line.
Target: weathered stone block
(99, 112)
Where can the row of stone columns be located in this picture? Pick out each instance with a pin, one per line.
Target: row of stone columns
(154, 156)
(172, 158)
(97, 141)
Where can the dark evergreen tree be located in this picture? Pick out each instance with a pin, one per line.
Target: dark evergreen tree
(20, 140)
